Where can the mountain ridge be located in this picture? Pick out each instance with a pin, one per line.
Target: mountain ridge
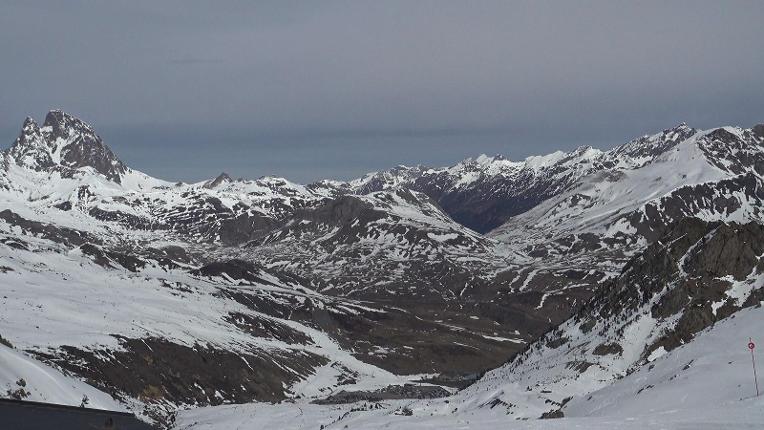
(415, 274)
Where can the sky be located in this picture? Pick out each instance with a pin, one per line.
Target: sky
(184, 90)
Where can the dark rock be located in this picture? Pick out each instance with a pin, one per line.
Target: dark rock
(608, 349)
(62, 235)
(406, 391)
(156, 370)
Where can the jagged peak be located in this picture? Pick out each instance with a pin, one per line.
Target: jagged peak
(648, 147)
(758, 130)
(64, 143)
(404, 168)
(222, 178)
(62, 123)
(29, 135)
(484, 159)
(679, 131)
(29, 123)
(481, 161)
(30, 149)
(29, 129)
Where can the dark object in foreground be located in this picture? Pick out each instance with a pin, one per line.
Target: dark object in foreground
(23, 415)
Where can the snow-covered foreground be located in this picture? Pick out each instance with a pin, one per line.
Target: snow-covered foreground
(706, 384)
(34, 381)
(747, 416)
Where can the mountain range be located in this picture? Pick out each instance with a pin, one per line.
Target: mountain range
(535, 288)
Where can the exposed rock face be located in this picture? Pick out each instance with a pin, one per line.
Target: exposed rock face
(731, 250)
(221, 179)
(30, 149)
(66, 143)
(758, 131)
(408, 391)
(688, 274)
(79, 146)
(158, 370)
(738, 194)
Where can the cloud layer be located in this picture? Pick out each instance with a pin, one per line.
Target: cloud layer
(184, 89)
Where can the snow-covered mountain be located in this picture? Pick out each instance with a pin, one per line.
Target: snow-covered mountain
(24, 378)
(64, 143)
(484, 192)
(169, 295)
(663, 345)
(697, 274)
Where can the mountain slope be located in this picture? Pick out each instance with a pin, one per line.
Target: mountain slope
(24, 378)
(661, 346)
(485, 192)
(168, 295)
(697, 274)
(706, 384)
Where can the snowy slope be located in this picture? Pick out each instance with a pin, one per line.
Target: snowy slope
(706, 384)
(603, 201)
(25, 378)
(663, 346)
(712, 372)
(45, 311)
(696, 275)
(143, 322)
(612, 214)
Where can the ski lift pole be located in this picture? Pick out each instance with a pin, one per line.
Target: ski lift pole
(751, 346)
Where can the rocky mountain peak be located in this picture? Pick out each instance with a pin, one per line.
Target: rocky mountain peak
(30, 133)
(65, 142)
(758, 131)
(30, 149)
(386, 179)
(679, 132)
(650, 146)
(484, 159)
(222, 178)
(63, 124)
(30, 125)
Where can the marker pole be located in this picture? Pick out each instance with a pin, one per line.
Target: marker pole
(751, 346)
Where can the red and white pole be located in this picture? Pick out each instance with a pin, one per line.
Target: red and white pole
(751, 346)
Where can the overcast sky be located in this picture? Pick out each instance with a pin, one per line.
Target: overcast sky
(185, 89)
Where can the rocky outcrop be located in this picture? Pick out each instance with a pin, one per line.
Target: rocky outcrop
(79, 146)
(66, 144)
